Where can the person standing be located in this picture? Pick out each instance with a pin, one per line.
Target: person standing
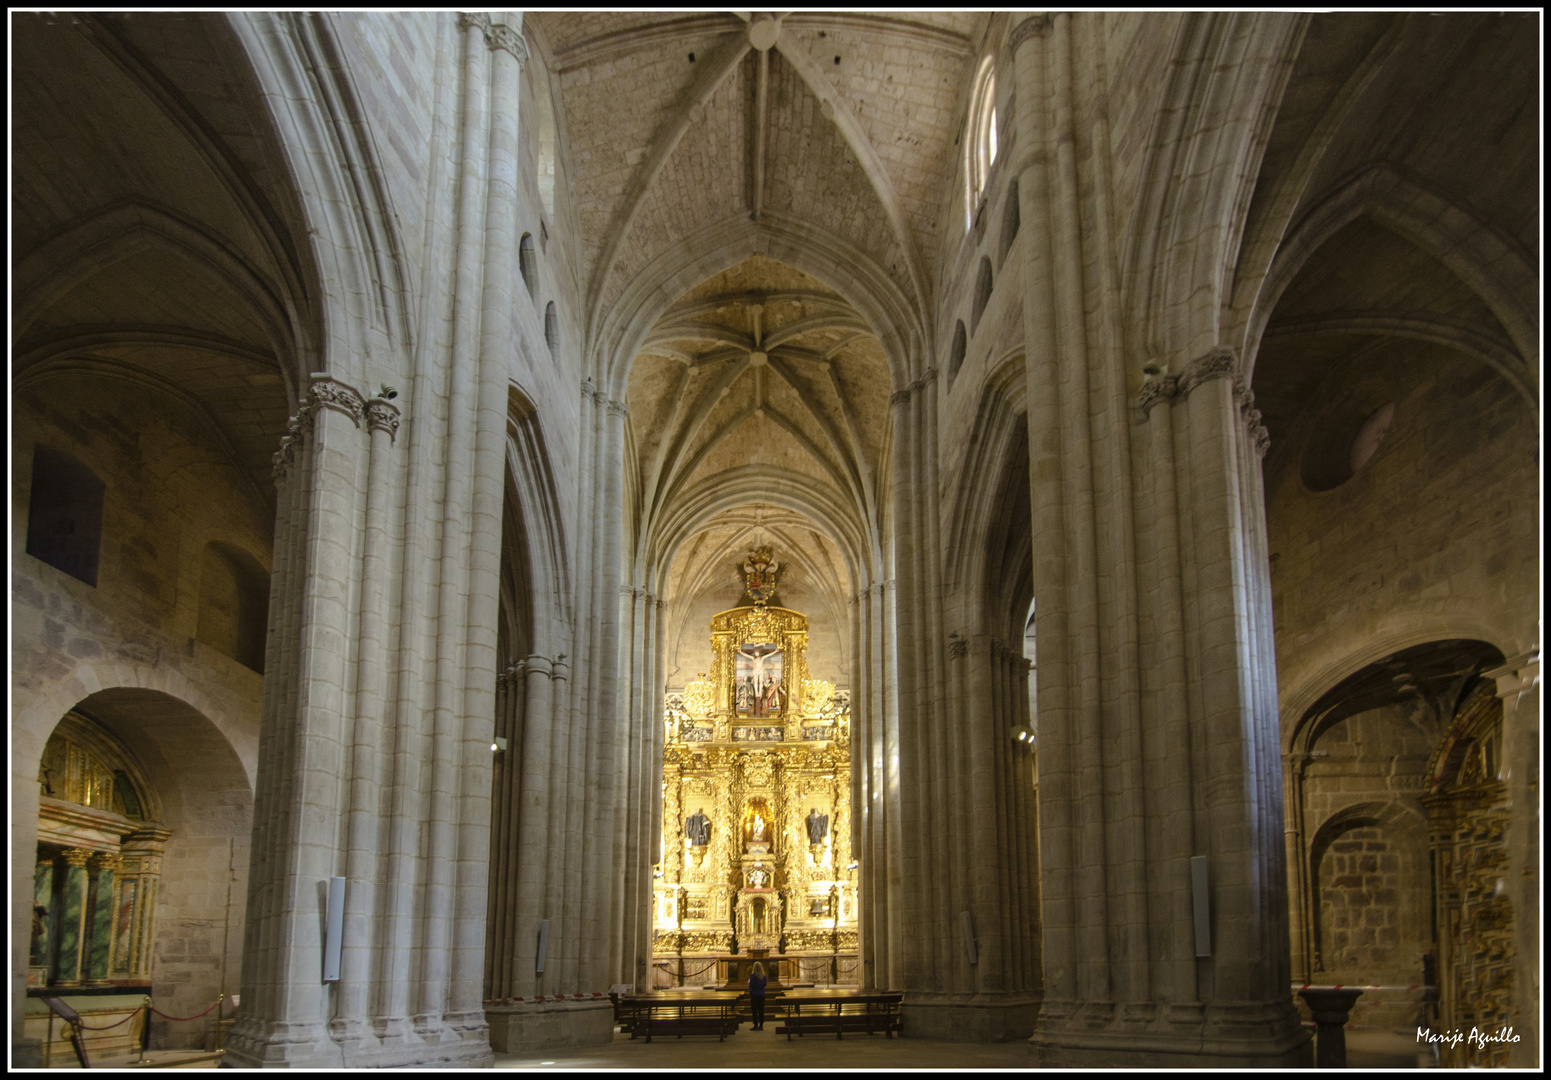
(757, 981)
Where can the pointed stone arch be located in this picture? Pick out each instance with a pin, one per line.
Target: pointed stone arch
(1489, 264)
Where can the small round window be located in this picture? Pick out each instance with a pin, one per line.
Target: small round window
(1344, 442)
(1366, 442)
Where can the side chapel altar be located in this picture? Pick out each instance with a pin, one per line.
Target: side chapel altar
(756, 860)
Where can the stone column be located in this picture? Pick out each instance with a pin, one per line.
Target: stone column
(42, 897)
(500, 295)
(70, 963)
(533, 837)
(364, 832)
(1300, 902)
(505, 803)
(99, 954)
(140, 870)
(303, 760)
(1518, 685)
(1157, 706)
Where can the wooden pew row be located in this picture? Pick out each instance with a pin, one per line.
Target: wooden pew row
(816, 1014)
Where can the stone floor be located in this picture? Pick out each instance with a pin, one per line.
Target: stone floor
(767, 1050)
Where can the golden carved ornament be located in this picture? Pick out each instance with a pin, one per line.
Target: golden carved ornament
(816, 694)
(700, 696)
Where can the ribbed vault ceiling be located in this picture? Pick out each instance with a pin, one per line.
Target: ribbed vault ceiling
(764, 381)
(165, 100)
(677, 122)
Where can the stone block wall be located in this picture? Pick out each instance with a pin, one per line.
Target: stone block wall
(1368, 856)
(128, 651)
(1436, 537)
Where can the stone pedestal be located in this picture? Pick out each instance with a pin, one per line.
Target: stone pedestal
(969, 1017)
(522, 1026)
(1330, 1009)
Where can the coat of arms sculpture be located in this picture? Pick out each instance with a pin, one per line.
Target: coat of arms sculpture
(761, 575)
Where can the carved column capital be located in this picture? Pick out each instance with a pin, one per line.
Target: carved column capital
(104, 860)
(1219, 363)
(330, 393)
(1157, 388)
(900, 397)
(1245, 397)
(76, 856)
(382, 416)
(1257, 432)
(1032, 27)
(616, 408)
(958, 648)
(508, 38)
(476, 20)
(290, 443)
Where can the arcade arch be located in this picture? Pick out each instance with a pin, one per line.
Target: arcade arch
(143, 831)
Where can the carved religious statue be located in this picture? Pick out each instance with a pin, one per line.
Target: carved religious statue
(818, 826)
(697, 827)
(757, 833)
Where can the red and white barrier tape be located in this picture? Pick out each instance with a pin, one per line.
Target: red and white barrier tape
(1354, 986)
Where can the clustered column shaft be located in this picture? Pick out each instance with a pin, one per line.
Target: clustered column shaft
(1126, 523)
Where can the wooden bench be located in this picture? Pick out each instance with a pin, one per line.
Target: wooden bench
(679, 1014)
(815, 1014)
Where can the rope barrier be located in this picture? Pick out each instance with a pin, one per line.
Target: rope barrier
(110, 1027)
(196, 1016)
(702, 971)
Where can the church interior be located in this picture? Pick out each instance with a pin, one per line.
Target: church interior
(513, 507)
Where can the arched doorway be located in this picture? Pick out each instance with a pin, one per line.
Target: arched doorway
(1385, 827)
(139, 886)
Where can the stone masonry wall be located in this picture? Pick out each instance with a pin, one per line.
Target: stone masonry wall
(1436, 537)
(190, 713)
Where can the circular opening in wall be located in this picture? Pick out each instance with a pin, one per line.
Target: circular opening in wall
(1366, 442)
(1344, 441)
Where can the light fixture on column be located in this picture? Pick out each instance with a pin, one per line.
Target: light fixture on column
(499, 745)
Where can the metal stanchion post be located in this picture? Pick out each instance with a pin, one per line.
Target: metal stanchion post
(145, 1028)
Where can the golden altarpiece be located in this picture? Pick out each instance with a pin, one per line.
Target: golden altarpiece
(756, 805)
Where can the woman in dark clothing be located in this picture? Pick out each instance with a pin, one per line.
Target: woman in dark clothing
(757, 981)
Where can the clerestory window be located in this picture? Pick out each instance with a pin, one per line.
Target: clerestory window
(980, 146)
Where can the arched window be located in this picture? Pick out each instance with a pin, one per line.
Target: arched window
(552, 331)
(528, 264)
(982, 294)
(956, 357)
(64, 515)
(546, 127)
(980, 144)
(1009, 223)
(233, 604)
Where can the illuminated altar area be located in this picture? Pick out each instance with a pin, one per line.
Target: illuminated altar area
(756, 806)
